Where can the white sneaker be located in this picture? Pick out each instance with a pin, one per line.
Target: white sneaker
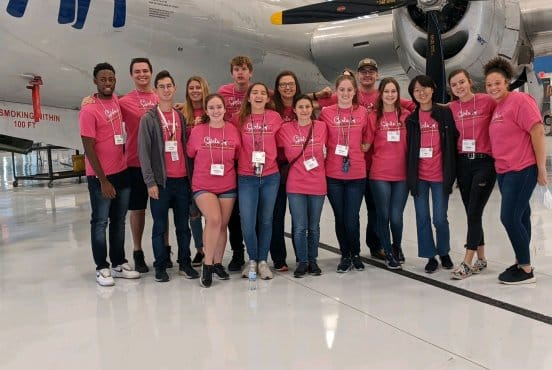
(251, 266)
(264, 271)
(104, 278)
(125, 271)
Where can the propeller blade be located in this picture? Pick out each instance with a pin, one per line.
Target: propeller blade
(335, 11)
(435, 62)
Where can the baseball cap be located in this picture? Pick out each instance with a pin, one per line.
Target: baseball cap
(367, 62)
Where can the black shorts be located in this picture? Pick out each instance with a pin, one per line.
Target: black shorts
(138, 190)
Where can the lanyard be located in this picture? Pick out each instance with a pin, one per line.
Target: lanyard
(341, 129)
(110, 119)
(211, 146)
(472, 116)
(305, 145)
(253, 131)
(166, 124)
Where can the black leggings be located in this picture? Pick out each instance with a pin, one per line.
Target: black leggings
(476, 180)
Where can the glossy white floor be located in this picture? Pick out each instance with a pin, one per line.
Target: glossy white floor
(54, 316)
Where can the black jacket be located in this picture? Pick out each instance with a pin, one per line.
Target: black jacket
(448, 135)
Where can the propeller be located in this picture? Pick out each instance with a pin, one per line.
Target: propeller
(341, 10)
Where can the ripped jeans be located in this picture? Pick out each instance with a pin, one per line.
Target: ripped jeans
(476, 180)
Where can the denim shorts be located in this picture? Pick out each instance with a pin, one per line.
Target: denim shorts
(233, 193)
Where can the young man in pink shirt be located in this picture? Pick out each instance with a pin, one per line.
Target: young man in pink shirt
(233, 93)
(103, 137)
(133, 106)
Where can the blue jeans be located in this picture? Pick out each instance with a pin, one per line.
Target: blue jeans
(390, 198)
(114, 211)
(305, 214)
(175, 194)
(345, 197)
(257, 196)
(426, 243)
(516, 188)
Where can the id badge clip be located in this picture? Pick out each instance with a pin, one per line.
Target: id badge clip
(310, 164)
(468, 145)
(426, 152)
(217, 169)
(342, 150)
(393, 136)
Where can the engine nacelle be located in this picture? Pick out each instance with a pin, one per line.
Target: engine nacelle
(484, 30)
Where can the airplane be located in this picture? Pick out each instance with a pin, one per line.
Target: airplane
(57, 43)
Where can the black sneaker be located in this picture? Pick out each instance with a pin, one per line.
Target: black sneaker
(378, 254)
(219, 270)
(431, 265)
(313, 269)
(139, 262)
(398, 254)
(206, 276)
(188, 271)
(281, 266)
(236, 262)
(392, 262)
(357, 263)
(344, 265)
(301, 270)
(446, 262)
(161, 276)
(517, 276)
(198, 259)
(169, 262)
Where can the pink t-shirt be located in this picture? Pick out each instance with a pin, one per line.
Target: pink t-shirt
(472, 120)
(198, 112)
(347, 127)
(133, 106)
(512, 121)
(233, 99)
(389, 158)
(288, 114)
(208, 146)
(176, 168)
(259, 136)
(101, 121)
(291, 138)
(430, 169)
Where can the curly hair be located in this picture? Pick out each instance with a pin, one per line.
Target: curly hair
(499, 65)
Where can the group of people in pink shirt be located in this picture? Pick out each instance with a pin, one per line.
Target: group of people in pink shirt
(236, 156)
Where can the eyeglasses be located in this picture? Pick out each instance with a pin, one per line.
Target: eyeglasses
(368, 71)
(419, 90)
(283, 85)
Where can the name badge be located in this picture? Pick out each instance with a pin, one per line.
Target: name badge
(394, 136)
(174, 156)
(468, 145)
(217, 169)
(342, 150)
(426, 152)
(119, 140)
(171, 146)
(258, 157)
(310, 164)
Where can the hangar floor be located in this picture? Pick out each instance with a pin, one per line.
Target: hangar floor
(54, 316)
